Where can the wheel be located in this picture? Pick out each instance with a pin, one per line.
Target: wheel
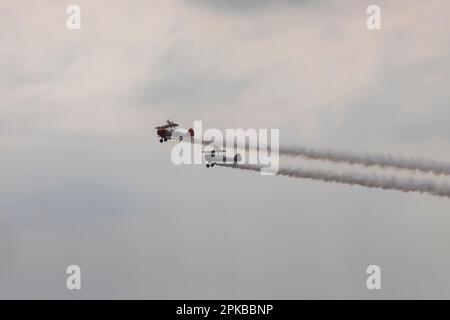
(165, 139)
(212, 165)
(207, 166)
(161, 140)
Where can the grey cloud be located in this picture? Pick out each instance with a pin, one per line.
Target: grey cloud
(246, 5)
(404, 106)
(180, 81)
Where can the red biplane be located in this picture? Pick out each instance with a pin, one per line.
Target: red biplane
(170, 131)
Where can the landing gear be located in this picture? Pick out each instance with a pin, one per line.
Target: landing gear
(165, 139)
(208, 165)
(161, 140)
(212, 165)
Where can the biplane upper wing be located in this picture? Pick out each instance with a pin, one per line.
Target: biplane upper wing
(166, 126)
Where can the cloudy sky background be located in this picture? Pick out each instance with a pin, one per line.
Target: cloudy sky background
(83, 179)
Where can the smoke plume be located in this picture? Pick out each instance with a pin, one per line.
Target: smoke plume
(368, 181)
(369, 159)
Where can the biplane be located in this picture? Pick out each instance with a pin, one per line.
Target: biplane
(170, 131)
(220, 156)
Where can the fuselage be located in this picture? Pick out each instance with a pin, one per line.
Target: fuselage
(214, 157)
(180, 134)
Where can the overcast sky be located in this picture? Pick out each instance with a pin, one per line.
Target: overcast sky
(84, 180)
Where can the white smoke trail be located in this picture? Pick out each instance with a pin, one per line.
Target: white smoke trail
(366, 159)
(368, 181)
(369, 159)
